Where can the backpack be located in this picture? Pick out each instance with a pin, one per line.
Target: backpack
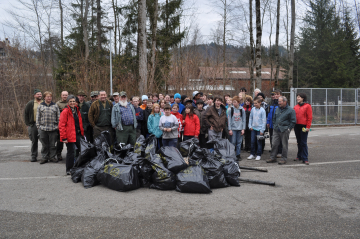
(232, 112)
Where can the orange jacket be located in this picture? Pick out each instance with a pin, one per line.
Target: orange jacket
(303, 114)
(191, 125)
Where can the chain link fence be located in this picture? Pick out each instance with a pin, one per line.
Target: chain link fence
(331, 106)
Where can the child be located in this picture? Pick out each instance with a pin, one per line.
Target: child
(144, 100)
(139, 113)
(229, 102)
(162, 105)
(179, 117)
(236, 123)
(153, 123)
(257, 123)
(147, 113)
(200, 112)
(169, 125)
(247, 107)
(172, 100)
(191, 123)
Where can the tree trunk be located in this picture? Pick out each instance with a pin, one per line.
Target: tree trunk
(277, 44)
(153, 47)
(142, 47)
(86, 41)
(258, 45)
(224, 49)
(292, 39)
(251, 44)
(114, 5)
(98, 24)
(61, 24)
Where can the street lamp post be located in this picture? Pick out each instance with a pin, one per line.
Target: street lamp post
(111, 88)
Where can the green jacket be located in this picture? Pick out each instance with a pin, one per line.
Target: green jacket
(29, 113)
(84, 110)
(284, 119)
(94, 112)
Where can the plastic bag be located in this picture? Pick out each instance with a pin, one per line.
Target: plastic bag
(151, 144)
(162, 178)
(173, 159)
(121, 150)
(140, 146)
(232, 173)
(104, 139)
(76, 173)
(192, 180)
(187, 146)
(119, 177)
(214, 170)
(87, 152)
(223, 147)
(92, 168)
(146, 172)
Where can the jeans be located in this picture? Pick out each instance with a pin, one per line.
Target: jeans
(70, 155)
(187, 137)
(34, 137)
(170, 142)
(301, 138)
(48, 140)
(236, 140)
(255, 142)
(280, 138)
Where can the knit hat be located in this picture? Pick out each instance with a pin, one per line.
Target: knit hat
(262, 94)
(144, 97)
(36, 91)
(177, 96)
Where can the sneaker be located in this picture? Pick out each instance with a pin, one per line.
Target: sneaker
(282, 162)
(43, 161)
(251, 157)
(271, 161)
(297, 159)
(278, 156)
(54, 160)
(306, 162)
(258, 158)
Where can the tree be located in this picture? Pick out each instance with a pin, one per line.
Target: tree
(277, 43)
(292, 39)
(258, 44)
(142, 47)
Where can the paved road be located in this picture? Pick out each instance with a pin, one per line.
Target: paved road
(321, 200)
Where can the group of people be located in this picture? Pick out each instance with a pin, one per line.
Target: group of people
(171, 118)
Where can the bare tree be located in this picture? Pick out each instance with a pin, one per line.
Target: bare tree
(98, 24)
(277, 43)
(258, 44)
(251, 42)
(292, 39)
(153, 45)
(142, 46)
(61, 23)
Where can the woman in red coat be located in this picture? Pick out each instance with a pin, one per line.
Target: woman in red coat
(71, 129)
(191, 123)
(303, 123)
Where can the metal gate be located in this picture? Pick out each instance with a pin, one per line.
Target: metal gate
(331, 106)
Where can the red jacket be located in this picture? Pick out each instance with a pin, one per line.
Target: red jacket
(179, 117)
(192, 126)
(303, 114)
(67, 125)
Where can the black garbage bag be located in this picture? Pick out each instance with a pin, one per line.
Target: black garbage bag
(76, 173)
(92, 168)
(192, 180)
(140, 146)
(162, 178)
(104, 139)
(187, 146)
(151, 144)
(214, 170)
(174, 161)
(223, 147)
(146, 172)
(121, 150)
(198, 153)
(119, 177)
(87, 152)
(193, 162)
(232, 173)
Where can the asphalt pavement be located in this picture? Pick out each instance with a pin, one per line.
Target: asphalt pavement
(321, 200)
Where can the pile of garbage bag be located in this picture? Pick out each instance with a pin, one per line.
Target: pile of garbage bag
(129, 167)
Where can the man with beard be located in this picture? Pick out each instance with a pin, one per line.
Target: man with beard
(30, 121)
(123, 120)
(100, 115)
(61, 104)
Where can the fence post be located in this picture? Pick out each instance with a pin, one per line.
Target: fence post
(292, 97)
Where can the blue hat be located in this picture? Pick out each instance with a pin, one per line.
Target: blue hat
(144, 97)
(177, 96)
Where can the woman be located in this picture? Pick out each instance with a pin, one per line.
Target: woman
(303, 112)
(153, 123)
(71, 129)
(191, 123)
(247, 107)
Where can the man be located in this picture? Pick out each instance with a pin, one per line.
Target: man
(123, 120)
(177, 98)
(116, 98)
(256, 92)
(196, 96)
(272, 108)
(139, 113)
(47, 121)
(84, 110)
(100, 115)
(215, 119)
(61, 104)
(30, 121)
(94, 96)
(284, 121)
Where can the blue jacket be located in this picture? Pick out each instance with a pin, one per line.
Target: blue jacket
(181, 107)
(153, 125)
(257, 120)
(116, 117)
(271, 115)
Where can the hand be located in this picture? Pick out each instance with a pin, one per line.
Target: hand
(230, 132)
(261, 133)
(169, 129)
(251, 129)
(268, 125)
(65, 141)
(307, 130)
(183, 122)
(242, 132)
(211, 128)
